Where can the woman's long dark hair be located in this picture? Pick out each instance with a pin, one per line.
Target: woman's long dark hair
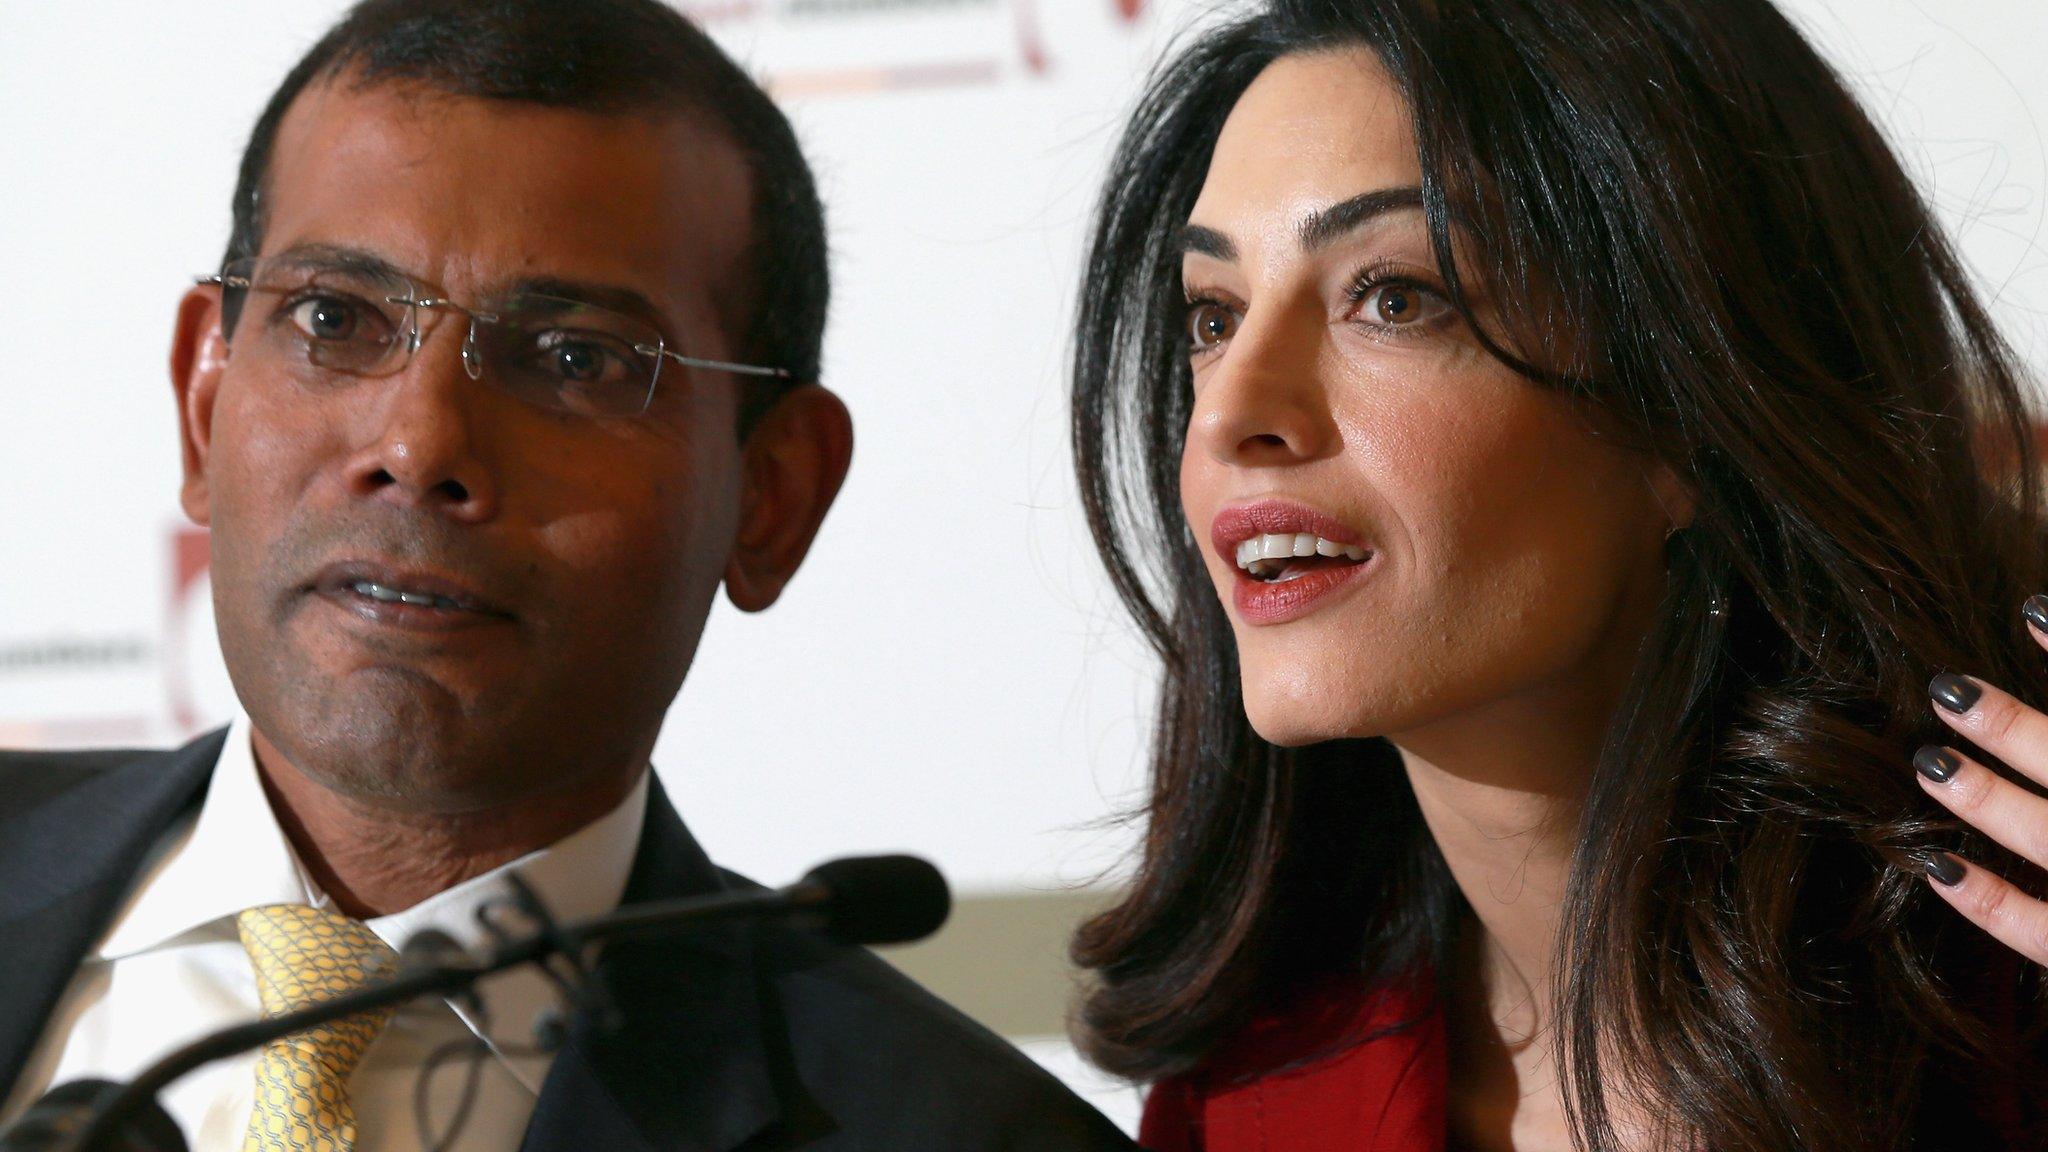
(1745, 280)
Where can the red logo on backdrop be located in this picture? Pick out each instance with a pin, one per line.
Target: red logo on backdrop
(907, 65)
(190, 560)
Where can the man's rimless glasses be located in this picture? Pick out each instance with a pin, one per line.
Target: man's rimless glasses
(324, 319)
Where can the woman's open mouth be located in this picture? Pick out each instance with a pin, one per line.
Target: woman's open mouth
(1281, 557)
(1289, 557)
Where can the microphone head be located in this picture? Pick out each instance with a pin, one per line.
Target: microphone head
(881, 899)
(60, 1115)
(432, 948)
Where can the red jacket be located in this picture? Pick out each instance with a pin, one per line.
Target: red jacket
(1384, 1095)
(1390, 1093)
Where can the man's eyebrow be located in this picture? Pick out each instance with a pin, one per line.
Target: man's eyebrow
(338, 257)
(1327, 224)
(615, 297)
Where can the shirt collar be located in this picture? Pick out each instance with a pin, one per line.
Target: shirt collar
(579, 876)
(234, 856)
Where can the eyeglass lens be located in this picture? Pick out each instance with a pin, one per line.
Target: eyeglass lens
(330, 323)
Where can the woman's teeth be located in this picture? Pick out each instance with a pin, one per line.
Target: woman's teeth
(1267, 557)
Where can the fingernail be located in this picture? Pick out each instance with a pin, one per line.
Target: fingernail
(1946, 869)
(1937, 763)
(1956, 693)
(2036, 611)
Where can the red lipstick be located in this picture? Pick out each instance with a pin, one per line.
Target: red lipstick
(1260, 602)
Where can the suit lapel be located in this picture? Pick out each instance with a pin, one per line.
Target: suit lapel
(68, 862)
(690, 1065)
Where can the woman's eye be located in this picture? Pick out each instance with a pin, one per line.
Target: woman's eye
(1209, 324)
(1401, 306)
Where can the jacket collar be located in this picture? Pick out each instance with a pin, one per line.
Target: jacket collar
(69, 861)
(1343, 1069)
(689, 1065)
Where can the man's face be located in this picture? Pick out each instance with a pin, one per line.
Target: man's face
(569, 561)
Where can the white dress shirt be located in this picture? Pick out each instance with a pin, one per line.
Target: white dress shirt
(172, 968)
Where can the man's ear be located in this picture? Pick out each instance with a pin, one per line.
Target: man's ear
(198, 355)
(793, 462)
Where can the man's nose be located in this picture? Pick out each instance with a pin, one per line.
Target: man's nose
(1264, 402)
(425, 446)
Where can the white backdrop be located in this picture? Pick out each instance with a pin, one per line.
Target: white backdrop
(949, 675)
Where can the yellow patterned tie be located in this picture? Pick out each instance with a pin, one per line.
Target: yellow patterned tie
(304, 956)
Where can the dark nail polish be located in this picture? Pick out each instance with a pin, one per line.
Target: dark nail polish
(2036, 611)
(1956, 693)
(1946, 870)
(1937, 763)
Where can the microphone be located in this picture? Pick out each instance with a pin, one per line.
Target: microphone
(856, 900)
(876, 899)
(58, 1118)
(853, 900)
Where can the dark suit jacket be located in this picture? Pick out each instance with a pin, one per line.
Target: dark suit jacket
(741, 1037)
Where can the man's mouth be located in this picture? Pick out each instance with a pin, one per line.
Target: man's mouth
(391, 595)
(1276, 558)
(385, 589)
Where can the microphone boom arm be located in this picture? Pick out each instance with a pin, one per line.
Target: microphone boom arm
(640, 920)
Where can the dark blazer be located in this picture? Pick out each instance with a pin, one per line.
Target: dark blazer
(741, 1037)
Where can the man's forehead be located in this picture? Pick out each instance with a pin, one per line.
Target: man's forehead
(472, 192)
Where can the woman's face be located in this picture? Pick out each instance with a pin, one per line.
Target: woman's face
(1403, 531)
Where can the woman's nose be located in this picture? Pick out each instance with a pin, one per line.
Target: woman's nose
(1263, 401)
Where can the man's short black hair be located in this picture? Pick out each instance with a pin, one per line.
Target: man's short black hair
(606, 56)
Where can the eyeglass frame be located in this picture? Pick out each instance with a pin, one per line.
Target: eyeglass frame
(472, 359)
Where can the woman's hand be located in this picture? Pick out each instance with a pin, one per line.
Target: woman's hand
(2017, 735)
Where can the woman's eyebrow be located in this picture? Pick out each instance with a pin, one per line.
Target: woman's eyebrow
(1200, 241)
(1317, 230)
(1327, 224)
